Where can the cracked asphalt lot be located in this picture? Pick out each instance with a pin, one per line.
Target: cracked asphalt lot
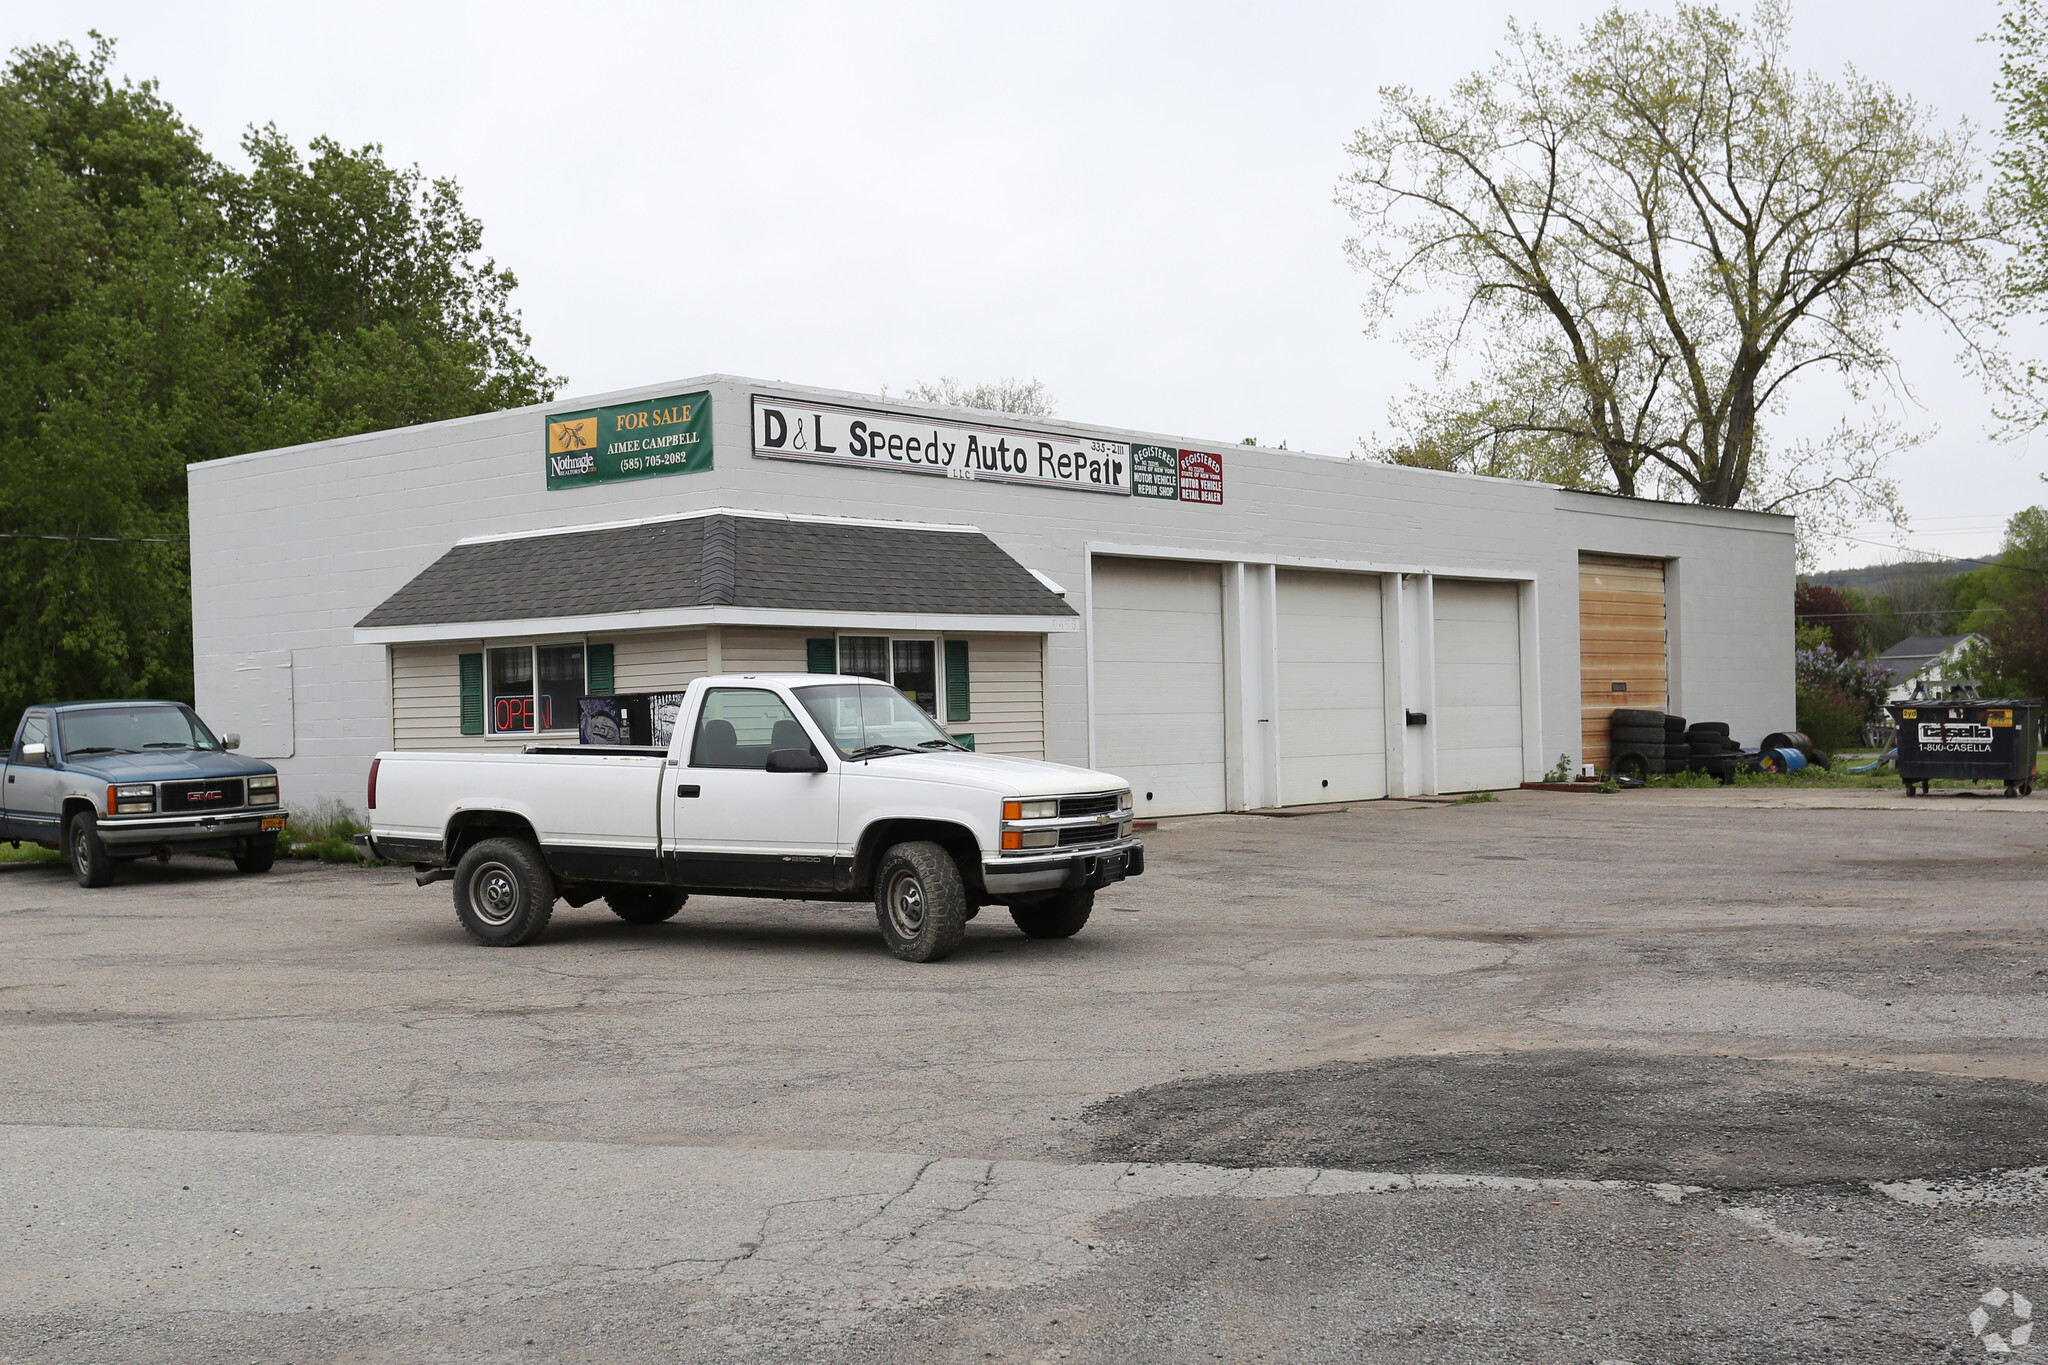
(1670, 1077)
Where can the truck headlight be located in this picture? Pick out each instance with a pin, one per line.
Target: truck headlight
(1030, 810)
(1031, 838)
(135, 799)
(263, 791)
(1123, 802)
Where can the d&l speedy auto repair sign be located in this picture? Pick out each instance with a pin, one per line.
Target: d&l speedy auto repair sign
(835, 434)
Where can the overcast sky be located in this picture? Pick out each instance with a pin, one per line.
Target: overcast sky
(1131, 202)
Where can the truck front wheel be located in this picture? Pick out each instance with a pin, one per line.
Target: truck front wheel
(261, 855)
(645, 904)
(90, 861)
(504, 893)
(920, 901)
(1057, 916)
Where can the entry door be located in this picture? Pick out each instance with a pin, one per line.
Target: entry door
(1622, 653)
(731, 820)
(1157, 637)
(1333, 722)
(1478, 720)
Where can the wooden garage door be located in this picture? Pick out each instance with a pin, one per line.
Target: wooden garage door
(1621, 644)
(1478, 720)
(1158, 644)
(1333, 724)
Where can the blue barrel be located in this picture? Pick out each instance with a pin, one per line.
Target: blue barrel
(1781, 760)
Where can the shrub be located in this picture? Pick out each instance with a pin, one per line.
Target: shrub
(1830, 718)
(325, 830)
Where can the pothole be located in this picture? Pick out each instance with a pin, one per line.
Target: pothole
(1726, 1122)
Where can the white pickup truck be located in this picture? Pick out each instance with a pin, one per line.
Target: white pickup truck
(803, 787)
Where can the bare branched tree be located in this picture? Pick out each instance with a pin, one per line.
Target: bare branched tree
(1025, 397)
(1649, 234)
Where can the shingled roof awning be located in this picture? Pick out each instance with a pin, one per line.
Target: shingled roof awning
(730, 568)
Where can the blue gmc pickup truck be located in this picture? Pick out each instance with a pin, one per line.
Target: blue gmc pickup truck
(112, 781)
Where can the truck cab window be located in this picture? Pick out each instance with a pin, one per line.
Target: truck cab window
(740, 726)
(34, 730)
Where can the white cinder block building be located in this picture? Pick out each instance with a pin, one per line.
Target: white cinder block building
(1228, 627)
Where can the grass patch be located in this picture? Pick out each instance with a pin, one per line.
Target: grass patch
(29, 853)
(1475, 799)
(325, 831)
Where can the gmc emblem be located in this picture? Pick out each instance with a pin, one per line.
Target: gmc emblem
(213, 795)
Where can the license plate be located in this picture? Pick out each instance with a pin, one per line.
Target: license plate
(271, 822)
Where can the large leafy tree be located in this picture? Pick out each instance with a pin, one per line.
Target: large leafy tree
(1645, 237)
(158, 308)
(367, 291)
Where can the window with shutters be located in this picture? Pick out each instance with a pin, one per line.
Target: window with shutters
(930, 672)
(528, 689)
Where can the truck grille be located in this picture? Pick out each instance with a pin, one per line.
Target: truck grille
(188, 798)
(1088, 834)
(1090, 805)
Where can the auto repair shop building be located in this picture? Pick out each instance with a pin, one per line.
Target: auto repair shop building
(1227, 627)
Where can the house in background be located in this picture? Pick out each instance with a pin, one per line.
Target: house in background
(1926, 667)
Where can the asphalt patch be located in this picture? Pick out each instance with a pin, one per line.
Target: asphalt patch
(1726, 1122)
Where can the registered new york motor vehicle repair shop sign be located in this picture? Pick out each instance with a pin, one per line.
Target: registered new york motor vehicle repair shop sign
(835, 434)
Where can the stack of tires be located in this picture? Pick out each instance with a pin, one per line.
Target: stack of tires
(1650, 743)
(1710, 750)
(1641, 743)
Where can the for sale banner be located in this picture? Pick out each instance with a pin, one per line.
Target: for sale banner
(962, 450)
(629, 441)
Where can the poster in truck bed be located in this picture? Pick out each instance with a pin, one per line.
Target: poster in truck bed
(836, 434)
(629, 441)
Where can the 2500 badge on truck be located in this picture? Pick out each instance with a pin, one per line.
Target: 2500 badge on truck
(803, 787)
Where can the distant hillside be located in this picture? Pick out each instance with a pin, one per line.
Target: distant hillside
(1880, 577)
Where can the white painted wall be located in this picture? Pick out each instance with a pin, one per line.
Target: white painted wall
(290, 548)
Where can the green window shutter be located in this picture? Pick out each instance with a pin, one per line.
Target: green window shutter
(472, 694)
(965, 741)
(597, 669)
(823, 654)
(957, 704)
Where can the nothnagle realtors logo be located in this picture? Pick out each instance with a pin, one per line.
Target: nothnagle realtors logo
(578, 433)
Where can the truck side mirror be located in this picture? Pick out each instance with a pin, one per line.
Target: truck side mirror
(230, 741)
(36, 753)
(794, 761)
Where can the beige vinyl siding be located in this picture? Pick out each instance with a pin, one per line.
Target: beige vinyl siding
(753, 649)
(659, 661)
(1006, 695)
(426, 697)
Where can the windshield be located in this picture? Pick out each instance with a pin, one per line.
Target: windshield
(864, 719)
(131, 730)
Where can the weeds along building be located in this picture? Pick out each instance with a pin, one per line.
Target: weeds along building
(1227, 627)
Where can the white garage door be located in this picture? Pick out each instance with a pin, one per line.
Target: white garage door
(1478, 720)
(1158, 644)
(1333, 736)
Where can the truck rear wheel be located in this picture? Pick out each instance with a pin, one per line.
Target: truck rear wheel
(504, 893)
(90, 861)
(920, 901)
(645, 904)
(1058, 916)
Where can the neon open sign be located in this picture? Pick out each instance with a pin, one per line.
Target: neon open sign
(516, 713)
